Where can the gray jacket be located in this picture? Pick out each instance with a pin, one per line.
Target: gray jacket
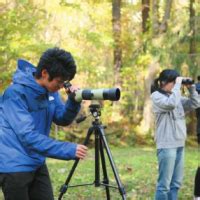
(170, 112)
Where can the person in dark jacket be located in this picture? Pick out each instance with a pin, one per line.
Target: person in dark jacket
(197, 176)
(27, 109)
(198, 110)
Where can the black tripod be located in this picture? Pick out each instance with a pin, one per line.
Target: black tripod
(100, 145)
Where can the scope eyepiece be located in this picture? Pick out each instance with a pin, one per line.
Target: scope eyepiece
(67, 85)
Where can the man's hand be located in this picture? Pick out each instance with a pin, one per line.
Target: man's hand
(81, 151)
(72, 89)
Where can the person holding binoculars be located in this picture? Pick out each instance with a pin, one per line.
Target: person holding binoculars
(28, 107)
(169, 108)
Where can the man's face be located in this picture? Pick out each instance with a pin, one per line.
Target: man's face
(51, 85)
(55, 84)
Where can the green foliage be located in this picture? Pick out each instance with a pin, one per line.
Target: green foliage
(19, 32)
(84, 27)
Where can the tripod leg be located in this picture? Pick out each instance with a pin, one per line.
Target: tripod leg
(64, 187)
(97, 168)
(114, 169)
(105, 175)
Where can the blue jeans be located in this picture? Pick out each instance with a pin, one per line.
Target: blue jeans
(170, 176)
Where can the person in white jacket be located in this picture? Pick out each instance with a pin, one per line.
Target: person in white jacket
(169, 108)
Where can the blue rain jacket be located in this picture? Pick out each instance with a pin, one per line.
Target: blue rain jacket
(27, 111)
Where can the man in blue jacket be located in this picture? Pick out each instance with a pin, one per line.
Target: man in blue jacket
(27, 109)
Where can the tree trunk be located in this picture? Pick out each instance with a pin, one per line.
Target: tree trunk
(116, 21)
(164, 24)
(145, 15)
(155, 17)
(192, 28)
(147, 120)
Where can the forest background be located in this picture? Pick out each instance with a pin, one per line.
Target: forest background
(115, 43)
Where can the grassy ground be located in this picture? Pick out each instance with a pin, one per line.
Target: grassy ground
(137, 168)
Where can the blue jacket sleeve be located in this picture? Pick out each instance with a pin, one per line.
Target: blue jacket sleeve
(20, 120)
(65, 113)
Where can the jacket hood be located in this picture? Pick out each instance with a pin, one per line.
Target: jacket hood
(24, 76)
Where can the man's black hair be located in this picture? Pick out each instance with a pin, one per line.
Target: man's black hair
(166, 76)
(58, 63)
(198, 78)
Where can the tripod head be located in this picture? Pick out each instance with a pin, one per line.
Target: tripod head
(95, 110)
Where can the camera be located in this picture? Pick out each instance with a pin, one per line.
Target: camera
(187, 81)
(112, 94)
